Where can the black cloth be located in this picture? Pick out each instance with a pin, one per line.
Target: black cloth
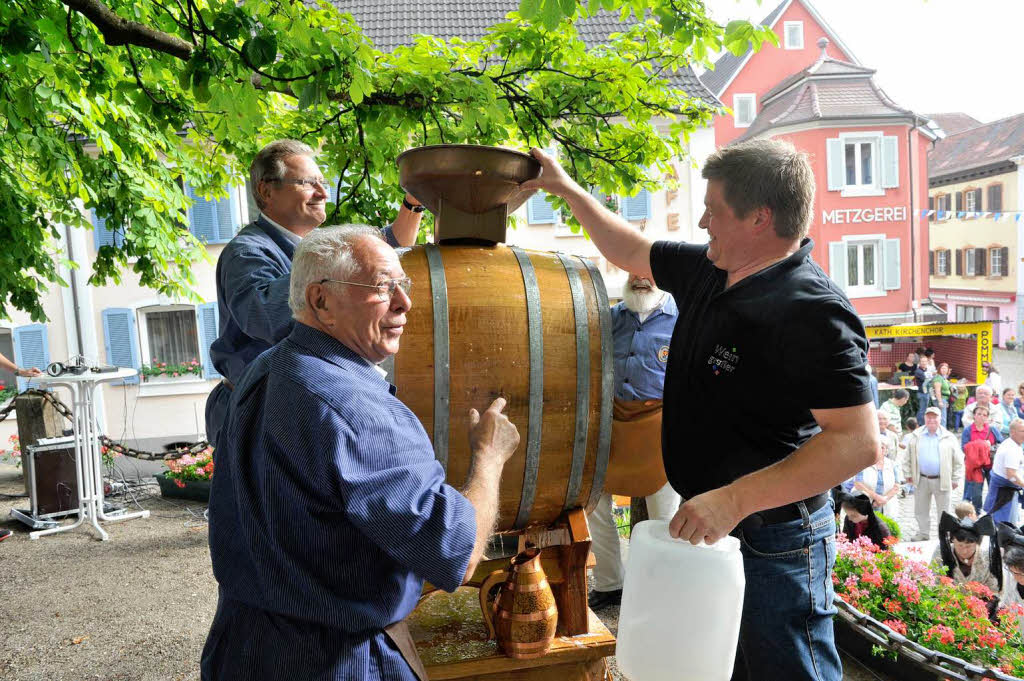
(774, 346)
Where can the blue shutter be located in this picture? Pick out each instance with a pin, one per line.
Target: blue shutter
(891, 163)
(121, 340)
(837, 263)
(332, 190)
(229, 217)
(101, 236)
(209, 328)
(836, 164)
(891, 263)
(202, 216)
(31, 349)
(637, 207)
(539, 211)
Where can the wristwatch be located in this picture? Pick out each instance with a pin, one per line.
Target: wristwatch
(418, 208)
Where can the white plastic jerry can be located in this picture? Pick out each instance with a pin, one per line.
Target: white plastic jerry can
(681, 607)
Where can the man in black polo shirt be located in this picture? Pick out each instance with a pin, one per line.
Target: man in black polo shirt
(757, 317)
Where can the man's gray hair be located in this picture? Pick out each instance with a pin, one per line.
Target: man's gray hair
(269, 164)
(983, 389)
(766, 173)
(326, 253)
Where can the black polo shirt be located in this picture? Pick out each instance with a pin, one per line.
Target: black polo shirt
(748, 363)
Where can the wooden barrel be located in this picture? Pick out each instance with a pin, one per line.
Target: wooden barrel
(530, 326)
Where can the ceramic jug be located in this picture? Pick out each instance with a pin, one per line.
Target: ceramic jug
(523, 615)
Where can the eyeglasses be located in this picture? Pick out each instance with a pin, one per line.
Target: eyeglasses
(385, 289)
(305, 182)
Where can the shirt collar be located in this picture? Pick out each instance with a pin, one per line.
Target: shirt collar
(337, 353)
(288, 234)
(779, 268)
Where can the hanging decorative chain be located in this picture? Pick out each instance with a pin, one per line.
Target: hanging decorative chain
(114, 447)
(945, 666)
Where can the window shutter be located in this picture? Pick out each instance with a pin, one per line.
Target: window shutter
(980, 258)
(101, 236)
(229, 216)
(332, 190)
(539, 211)
(837, 263)
(1004, 262)
(977, 200)
(836, 167)
(890, 162)
(202, 216)
(891, 278)
(121, 340)
(959, 262)
(637, 207)
(949, 259)
(959, 201)
(931, 203)
(208, 322)
(31, 349)
(995, 198)
(931, 262)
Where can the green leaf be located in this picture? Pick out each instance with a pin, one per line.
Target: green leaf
(228, 24)
(529, 9)
(261, 50)
(310, 95)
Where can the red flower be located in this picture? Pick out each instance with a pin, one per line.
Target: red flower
(897, 626)
(892, 606)
(890, 540)
(179, 483)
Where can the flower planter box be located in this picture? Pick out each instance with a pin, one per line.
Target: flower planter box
(857, 643)
(196, 490)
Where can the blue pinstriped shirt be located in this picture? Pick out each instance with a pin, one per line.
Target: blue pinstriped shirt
(328, 510)
(641, 350)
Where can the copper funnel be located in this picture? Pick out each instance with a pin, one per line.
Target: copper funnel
(470, 189)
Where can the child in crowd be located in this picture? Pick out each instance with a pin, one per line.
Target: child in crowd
(959, 404)
(965, 509)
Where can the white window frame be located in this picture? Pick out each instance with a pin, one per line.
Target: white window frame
(977, 312)
(942, 262)
(874, 138)
(166, 385)
(943, 200)
(744, 96)
(876, 290)
(562, 229)
(995, 262)
(785, 35)
(969, 201)
(970, 262)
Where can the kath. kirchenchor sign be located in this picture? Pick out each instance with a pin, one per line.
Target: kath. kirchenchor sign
(982, 332)
(841, 216)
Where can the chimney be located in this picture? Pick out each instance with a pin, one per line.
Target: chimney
(823, 44)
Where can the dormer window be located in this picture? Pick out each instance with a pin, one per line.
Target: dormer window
(793, 35)
(744, 108)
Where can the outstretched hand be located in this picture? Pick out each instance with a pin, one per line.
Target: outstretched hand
(553, 179)
(491, 434)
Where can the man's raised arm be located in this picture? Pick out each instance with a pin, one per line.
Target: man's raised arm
(616, 239)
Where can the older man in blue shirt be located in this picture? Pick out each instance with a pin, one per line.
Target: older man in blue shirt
(253, 269)
(641, 332)
(329, 509)
(935, 465)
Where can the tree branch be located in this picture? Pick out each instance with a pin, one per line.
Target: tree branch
(119, 31)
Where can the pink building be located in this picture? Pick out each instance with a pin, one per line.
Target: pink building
(869, 157)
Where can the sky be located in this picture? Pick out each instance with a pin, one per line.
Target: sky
(932, 56)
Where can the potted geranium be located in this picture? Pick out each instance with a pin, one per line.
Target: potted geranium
(188, 477)
(162, 371)
(925, 606)
(12, 455)
(7, 393)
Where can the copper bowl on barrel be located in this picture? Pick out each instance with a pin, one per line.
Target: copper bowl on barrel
(470, 189)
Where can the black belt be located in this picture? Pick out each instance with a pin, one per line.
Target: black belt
(784, 514)
(930, 477)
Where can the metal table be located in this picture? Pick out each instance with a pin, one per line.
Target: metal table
(88, 459)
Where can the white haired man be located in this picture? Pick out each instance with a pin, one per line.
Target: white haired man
(641, 334)
(329, 509)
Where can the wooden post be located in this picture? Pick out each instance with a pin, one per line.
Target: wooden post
(637, 512)
(571, 594)
(37, 419)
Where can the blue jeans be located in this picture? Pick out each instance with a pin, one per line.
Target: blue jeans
(786, 631)
(922, 404)
(942, 417)
(972, 493)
